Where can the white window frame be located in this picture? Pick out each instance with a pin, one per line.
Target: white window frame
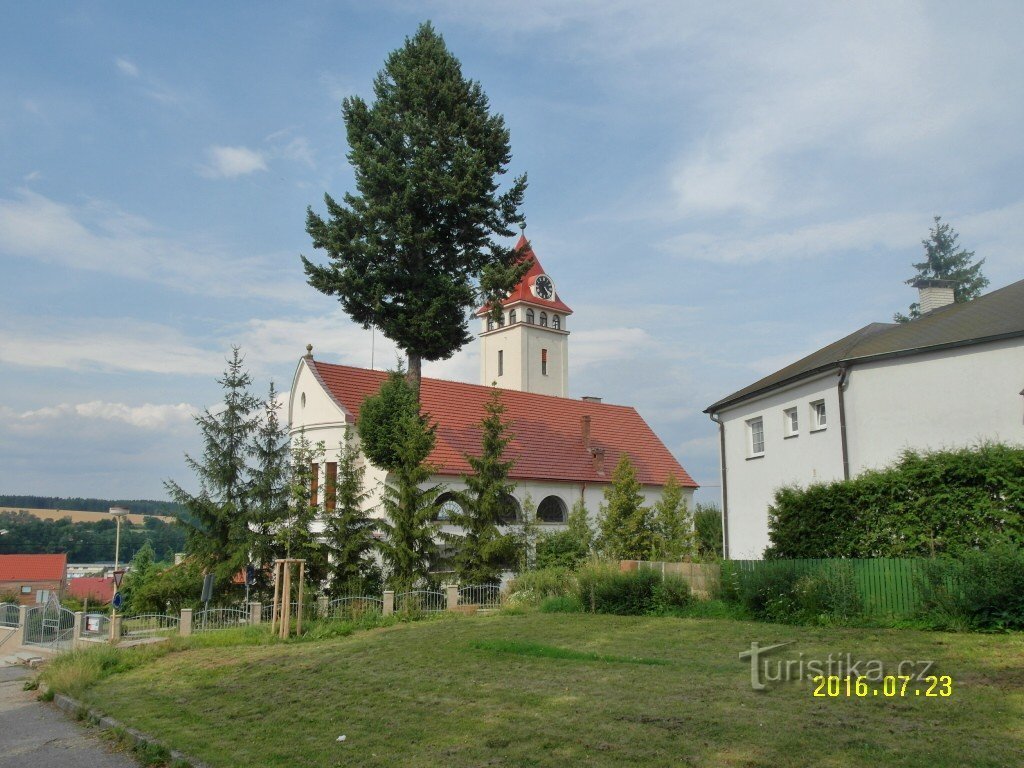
(752, 451)
(791, 422)
(819, 418)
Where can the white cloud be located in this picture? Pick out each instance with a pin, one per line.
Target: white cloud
(231, 162)
(127, 67)
(103, 238)
(33, 176)
(122, 344)
(146, 416)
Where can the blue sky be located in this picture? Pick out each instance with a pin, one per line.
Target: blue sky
(716, 188)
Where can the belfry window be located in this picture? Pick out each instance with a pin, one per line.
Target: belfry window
(529, 316)
(556, 322)
(512, 317)
(544, 362)
(544, 319)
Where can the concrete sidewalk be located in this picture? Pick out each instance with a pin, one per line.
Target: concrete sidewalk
(36, 734)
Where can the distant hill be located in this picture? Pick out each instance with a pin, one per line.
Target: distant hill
(137, 506)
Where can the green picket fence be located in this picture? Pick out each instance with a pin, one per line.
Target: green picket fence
(888, 586)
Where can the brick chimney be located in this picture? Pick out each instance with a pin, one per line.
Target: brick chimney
(590, 399)
(933, 294)
(585, 428)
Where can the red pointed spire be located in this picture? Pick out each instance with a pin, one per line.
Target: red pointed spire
(523, 292)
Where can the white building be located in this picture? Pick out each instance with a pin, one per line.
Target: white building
(949, 379)
(564, 449)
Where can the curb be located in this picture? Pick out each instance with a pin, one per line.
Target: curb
(77, 710)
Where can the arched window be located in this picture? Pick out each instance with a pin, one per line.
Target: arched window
(447, 507)
(490, 323)
(512, 317)
(552, 510)
(544, 319)
(529, 316)
(501, 320)
(556, 322)
(512, 512)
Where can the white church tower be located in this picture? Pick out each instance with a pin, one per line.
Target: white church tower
(528, 349)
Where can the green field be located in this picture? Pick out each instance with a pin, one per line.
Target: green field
(538, 689)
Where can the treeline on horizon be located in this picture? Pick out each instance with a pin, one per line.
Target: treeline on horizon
(87, 542)
(78, 504)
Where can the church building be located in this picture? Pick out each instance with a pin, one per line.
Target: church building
(564, 449)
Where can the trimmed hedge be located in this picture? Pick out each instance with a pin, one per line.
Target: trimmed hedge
(939, 503)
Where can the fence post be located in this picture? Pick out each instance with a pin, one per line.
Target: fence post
(452, 594)
(185, 624)
(115, 629)
(389, 602)
(322, 606)
(76, 633)
(22, 624)
(255, 613)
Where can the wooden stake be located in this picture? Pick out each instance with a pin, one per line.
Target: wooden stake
(277, 594)
(302, 580)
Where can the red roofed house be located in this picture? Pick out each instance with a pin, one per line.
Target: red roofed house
(564, 449)
(33, 578)
(97, 590)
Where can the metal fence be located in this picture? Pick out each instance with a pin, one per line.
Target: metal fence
(421, 601)
(482, 595)
(353, 607)
(219, 618)
(10, 615)
(148, 625)
(50, 625)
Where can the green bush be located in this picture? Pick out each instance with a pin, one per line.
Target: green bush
(926, 504)
(561, 604)
(604, 589)
(829, 595)
(530, 587)
(561, 549)
(672, 595)
(984, 590)
(707, 526)
(793, 593)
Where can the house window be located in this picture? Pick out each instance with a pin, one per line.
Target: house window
(490, 323)
(26, 590)
(501, 362)
(314, 483)
(552, 510)
(330, 480)
(529, 316)
(501, 320)
(556, 322)
(544, 319)
(512, 317)
(543, 362)
(818, 416)
(790, 422)
(755, 431)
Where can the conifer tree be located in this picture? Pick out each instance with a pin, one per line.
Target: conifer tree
(413, 248)
(141, 573)
(411, 511)
(269, 492)
(579, 527)
(294, 535)
(381, 416)
(625, 524)
(348, 530)
(217, 521)
(483, 551)
(946, 260)
(674, 537)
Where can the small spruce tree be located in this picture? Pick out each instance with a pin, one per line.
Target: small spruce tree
(293, 535)
(381, 420)
(626, 530)
(269, 493)
(674, 538)
(348, 530)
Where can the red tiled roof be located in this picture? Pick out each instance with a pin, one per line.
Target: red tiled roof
(522, 293)
(33, 567)
(94, 588)
(548, 442)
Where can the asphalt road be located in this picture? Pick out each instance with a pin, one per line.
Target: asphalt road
(37, 735)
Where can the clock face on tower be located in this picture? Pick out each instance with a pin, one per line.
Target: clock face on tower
(543, 287)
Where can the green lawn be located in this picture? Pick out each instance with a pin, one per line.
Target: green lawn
(563, 690)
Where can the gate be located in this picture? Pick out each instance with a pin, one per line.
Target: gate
(50, 626)
(9, 615)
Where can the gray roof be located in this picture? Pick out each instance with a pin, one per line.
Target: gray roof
(995, 315)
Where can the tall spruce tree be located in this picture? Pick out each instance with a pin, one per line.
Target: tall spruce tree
(674, 536)
(381, 416)
(946, 260)
(625, 524)
(348, 530)
(410, 510)
(269, 492)
(414, 248)
(483, 550)
(218, 534)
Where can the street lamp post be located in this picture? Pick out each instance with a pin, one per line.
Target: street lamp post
(118, 513)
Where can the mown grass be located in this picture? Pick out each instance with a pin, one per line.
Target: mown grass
(540, 651)
(437, 693)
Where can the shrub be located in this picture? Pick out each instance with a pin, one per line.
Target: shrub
(768, 591)
(793, 593)
(561, 604)
(829, 594)
(604, 589)
(533, 586)
(707, 526)
(560, 549)
(672, 594)
(984, 590)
